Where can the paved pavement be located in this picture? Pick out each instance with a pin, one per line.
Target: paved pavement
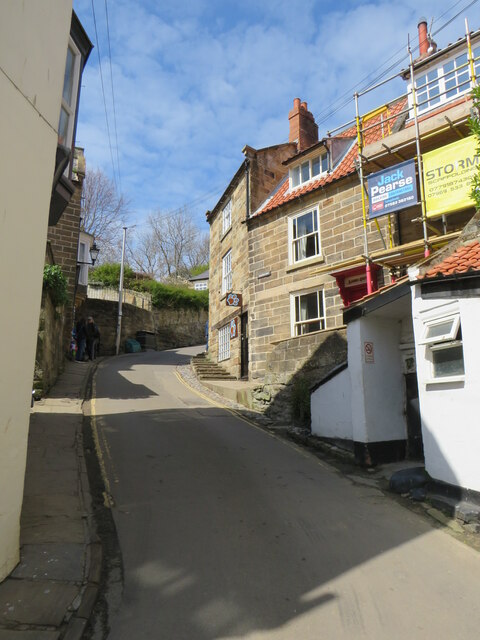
(51, 592)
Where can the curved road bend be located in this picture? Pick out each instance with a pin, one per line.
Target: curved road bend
(228, 532)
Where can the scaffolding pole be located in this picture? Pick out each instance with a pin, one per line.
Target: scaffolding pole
(470, 54)
(368, 266)
(419, 156)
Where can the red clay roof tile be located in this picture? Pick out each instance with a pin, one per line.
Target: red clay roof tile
(376, 129)
(465, 258)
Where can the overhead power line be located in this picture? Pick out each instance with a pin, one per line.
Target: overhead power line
(103, 94)
(342, 101)
(113, 95)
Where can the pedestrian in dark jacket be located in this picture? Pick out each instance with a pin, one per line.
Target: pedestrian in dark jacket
(93, 338)
(81, 338)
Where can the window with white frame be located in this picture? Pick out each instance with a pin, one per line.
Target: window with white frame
(443, 339)
(69, 96)
(224, 343)
(227, 272)
(444, 82)
(308, 312)
(226, 217)
(304, 236)
(308, 170)
(83, 257)
(200, 286)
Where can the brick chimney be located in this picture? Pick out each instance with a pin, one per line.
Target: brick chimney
(303, 128)
(426, 45)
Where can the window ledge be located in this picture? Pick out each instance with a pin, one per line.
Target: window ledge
(436, 381)
(222, 238)
(306, 263)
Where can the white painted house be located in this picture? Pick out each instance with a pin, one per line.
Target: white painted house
(34, 38)
(446, 312)
(371, 405)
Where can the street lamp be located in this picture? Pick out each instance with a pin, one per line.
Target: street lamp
(94, 251)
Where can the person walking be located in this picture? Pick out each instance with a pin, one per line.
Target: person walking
(93, 338)
(81, 338)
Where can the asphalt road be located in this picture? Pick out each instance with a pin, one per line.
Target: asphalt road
(229, 532)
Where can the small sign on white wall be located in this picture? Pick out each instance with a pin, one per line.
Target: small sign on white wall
(368, 351)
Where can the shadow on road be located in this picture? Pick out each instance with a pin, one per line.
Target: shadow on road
(227, 531)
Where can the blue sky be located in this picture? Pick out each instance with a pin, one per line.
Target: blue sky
(195, 81)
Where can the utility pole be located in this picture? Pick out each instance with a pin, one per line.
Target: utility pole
(120, 294)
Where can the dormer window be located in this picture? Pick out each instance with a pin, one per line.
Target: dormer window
(444, 82)
(308, 170)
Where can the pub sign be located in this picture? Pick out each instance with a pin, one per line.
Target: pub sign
(234, 300)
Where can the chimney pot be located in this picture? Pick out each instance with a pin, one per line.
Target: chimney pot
(422, 36)
(303, 128)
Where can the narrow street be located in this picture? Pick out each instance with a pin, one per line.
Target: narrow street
(229, 532)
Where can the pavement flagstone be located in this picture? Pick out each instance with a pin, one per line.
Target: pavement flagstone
(51, 592)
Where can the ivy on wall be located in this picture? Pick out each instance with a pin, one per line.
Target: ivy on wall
(55, 283)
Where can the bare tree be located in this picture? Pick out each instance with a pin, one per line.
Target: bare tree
(170, 247)
(143, 256)
(105, 213)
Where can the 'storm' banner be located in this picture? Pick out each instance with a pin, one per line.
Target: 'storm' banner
(448, 174)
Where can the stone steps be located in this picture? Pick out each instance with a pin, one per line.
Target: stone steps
(207, 370)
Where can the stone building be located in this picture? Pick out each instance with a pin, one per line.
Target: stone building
(315, 248)
(229, 264)
(63, 243)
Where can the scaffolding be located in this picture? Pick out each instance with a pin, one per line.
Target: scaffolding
(380, 123)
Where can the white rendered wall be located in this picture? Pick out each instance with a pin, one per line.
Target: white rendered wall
(376, 387)
(33, 45)
(331, 408)
(451, 411)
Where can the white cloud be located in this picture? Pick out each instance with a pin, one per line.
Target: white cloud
(196, 81)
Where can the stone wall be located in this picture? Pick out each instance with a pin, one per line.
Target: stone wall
(50, 354)
(172, 328)
(63, 241)
(294, 367)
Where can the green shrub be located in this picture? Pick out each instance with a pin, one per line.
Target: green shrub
(174, 297)
(108, 275)
(474, 123)
(163, 295)
(196, 271)
(55, 283)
